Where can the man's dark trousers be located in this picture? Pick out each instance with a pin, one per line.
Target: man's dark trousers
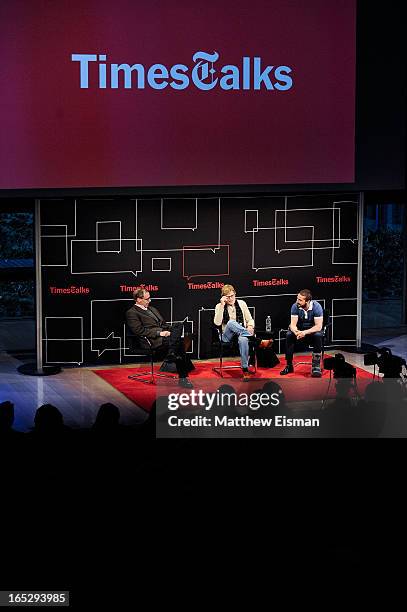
(315, 340)
(173, 344)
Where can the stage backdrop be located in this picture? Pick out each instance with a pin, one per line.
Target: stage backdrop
(94, 253)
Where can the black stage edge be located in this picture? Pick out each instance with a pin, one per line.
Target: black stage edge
(30, 369)
(364, 348)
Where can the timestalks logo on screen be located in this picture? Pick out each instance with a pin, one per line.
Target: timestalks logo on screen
(250, 75)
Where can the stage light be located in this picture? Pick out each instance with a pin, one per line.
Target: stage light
(340, 367)
(389, 365)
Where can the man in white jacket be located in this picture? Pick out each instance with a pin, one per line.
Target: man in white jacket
(235, 318)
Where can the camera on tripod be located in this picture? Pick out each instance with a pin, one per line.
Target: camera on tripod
(389, 365)
(340, 367)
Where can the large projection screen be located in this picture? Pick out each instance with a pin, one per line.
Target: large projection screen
(158, 93)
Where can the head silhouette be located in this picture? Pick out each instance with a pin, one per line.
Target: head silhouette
(107, 418)
(271, 387)
(6, 416)
(226, 399)
(48, 419)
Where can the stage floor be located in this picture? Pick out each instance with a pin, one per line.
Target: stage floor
(79, 392)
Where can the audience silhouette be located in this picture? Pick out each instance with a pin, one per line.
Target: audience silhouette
(49, 421)
(107, 419)
(7, 419)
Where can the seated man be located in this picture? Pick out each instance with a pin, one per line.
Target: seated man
(145, 320)
(306, 322)
(235, 318)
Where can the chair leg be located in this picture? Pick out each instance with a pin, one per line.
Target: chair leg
(254, 353)
(220, 367)
(139, 376)
(152, 369)
(150, 374)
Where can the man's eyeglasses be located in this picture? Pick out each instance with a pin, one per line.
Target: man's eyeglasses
(231, 295)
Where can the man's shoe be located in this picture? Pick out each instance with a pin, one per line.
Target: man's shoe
(316, 365)
(186, 383)
(265, 343)
(289, 369)
(246, 374)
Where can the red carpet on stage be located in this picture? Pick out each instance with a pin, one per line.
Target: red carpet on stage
(299, 386)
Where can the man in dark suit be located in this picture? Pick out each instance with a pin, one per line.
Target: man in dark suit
(145, 320)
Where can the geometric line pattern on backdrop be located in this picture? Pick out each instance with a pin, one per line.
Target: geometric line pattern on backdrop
(259, 244)
(114, 240)
(53, 336)
(84, 250)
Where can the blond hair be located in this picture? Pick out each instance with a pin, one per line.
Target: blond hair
(227, 289)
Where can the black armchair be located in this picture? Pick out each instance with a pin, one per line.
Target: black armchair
(142, 346)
